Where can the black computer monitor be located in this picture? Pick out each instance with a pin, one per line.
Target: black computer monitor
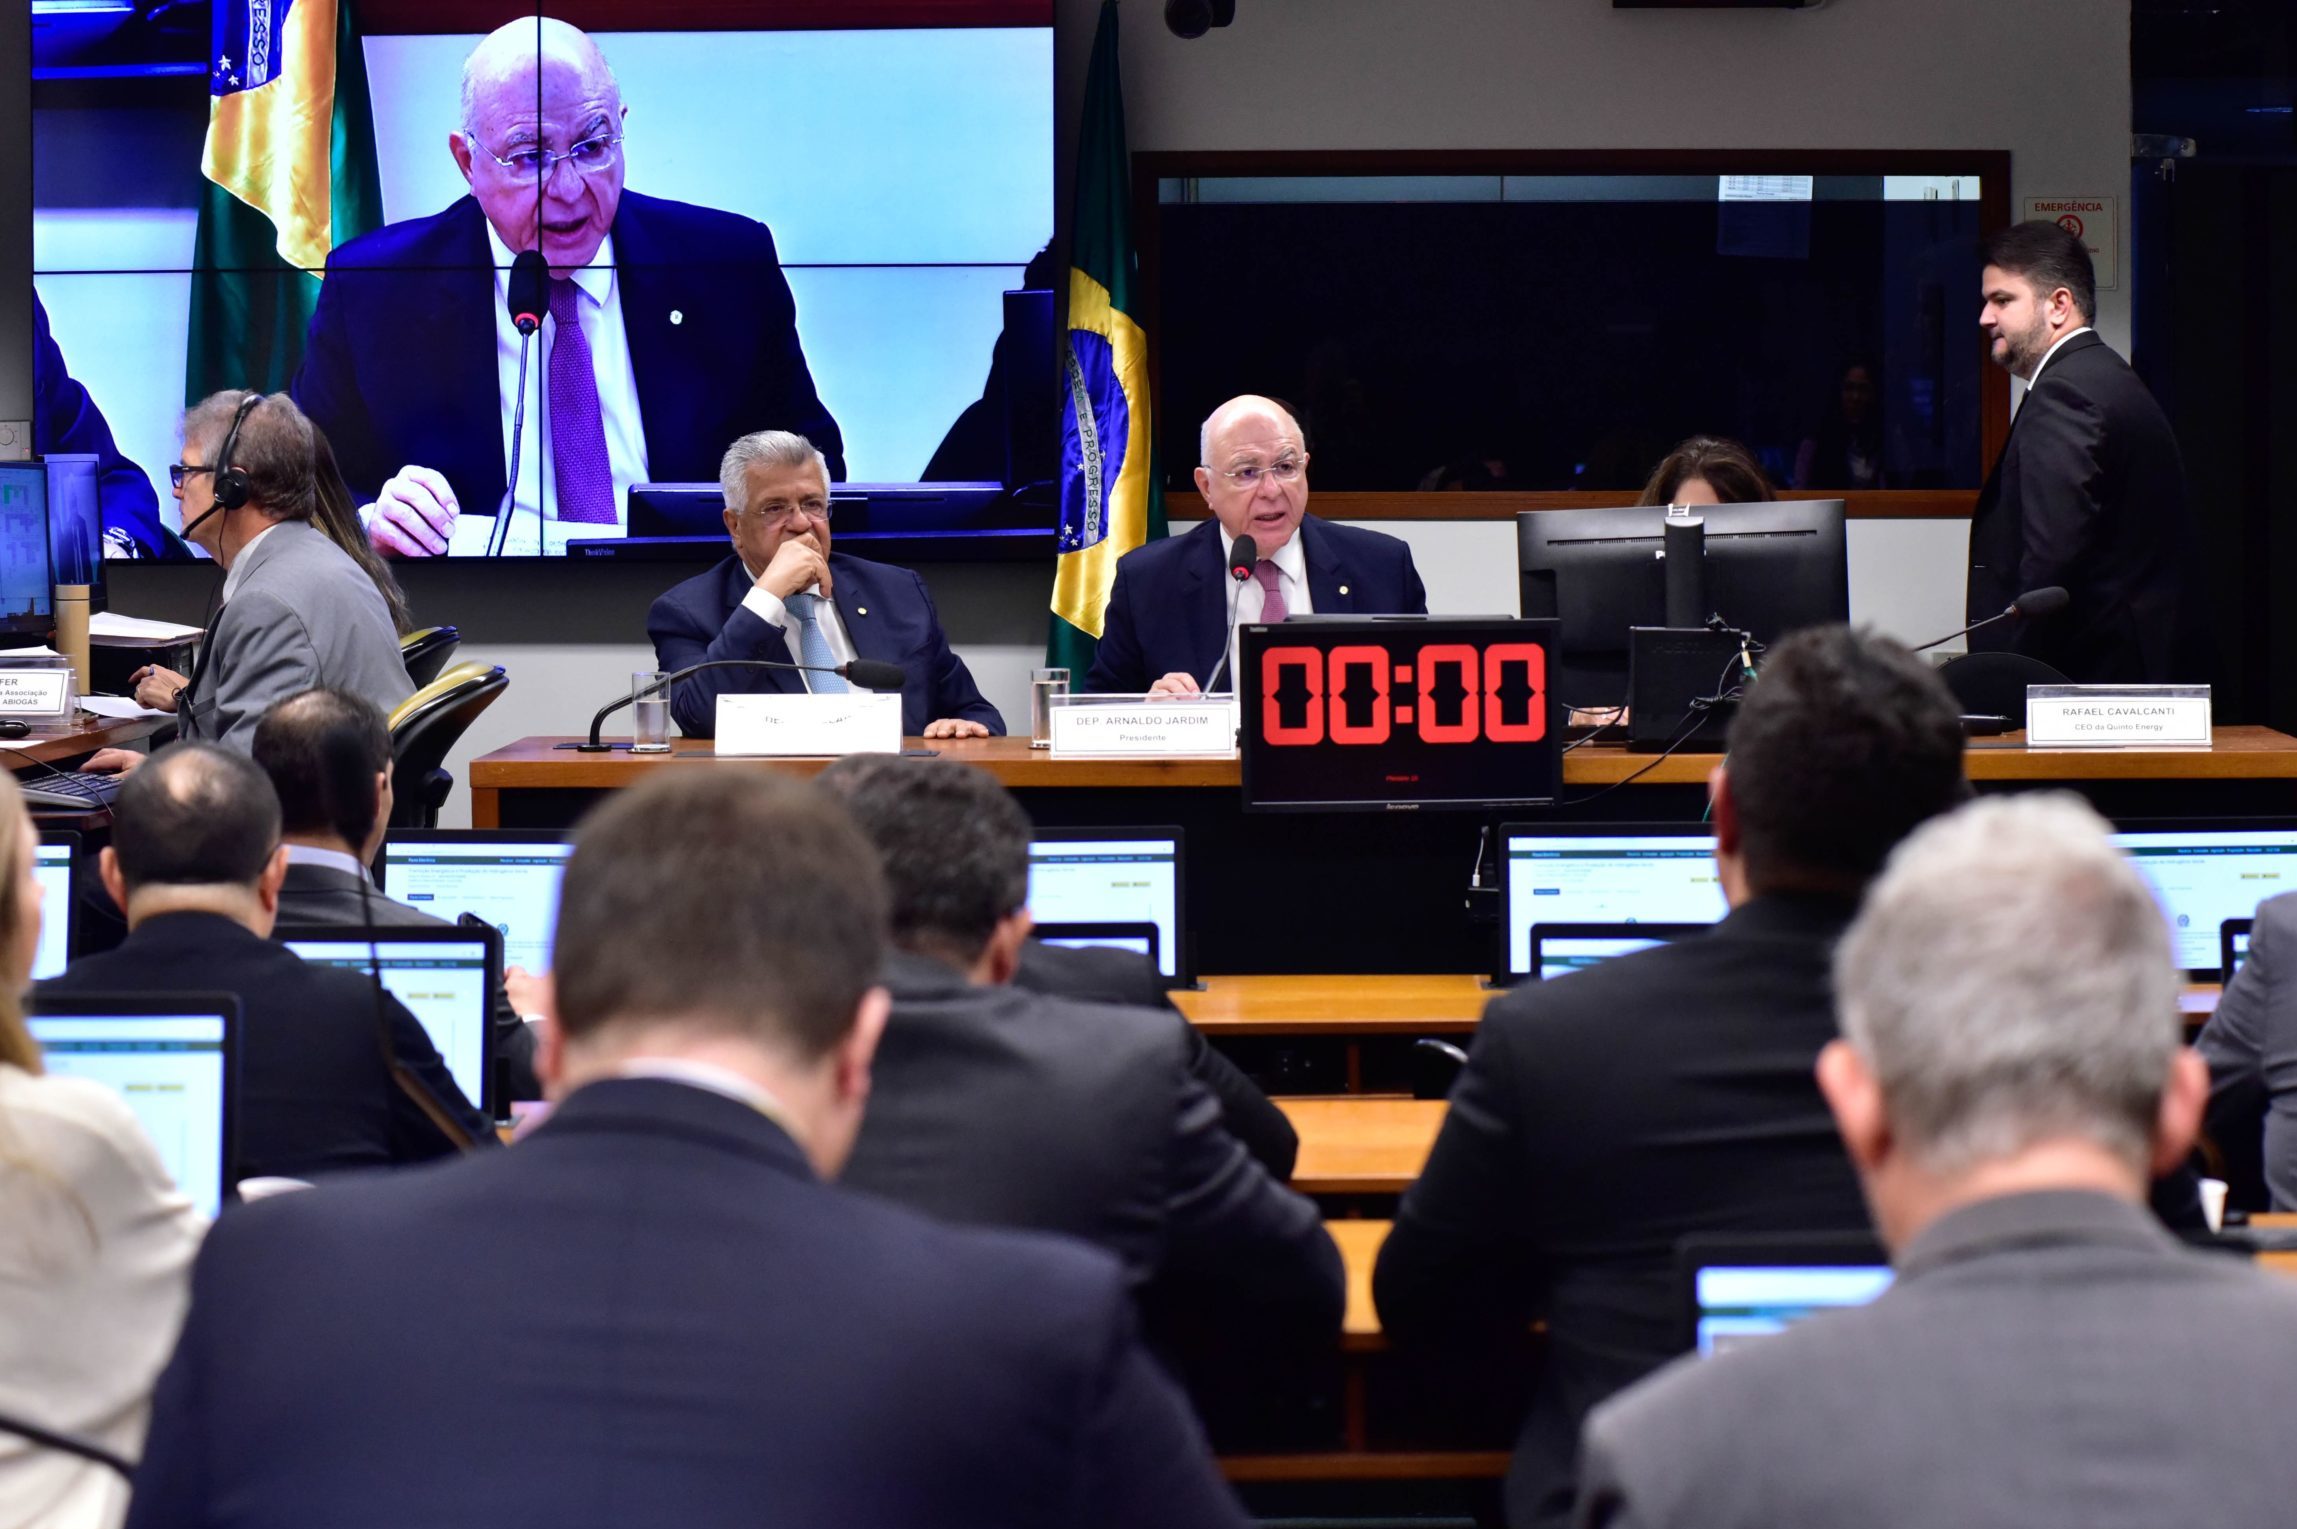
(1770, 569)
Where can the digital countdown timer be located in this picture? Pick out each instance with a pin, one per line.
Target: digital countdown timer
(1383, 713)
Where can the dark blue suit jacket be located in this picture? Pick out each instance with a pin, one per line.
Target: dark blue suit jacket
(651, 1312)
(66, 420)
(886, 610)
(400, 363)
(1168, 609)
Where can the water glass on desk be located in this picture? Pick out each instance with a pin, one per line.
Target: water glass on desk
(1045, 685)
(650, 713)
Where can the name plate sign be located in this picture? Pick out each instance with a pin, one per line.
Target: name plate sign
(2117, 716)
(863, 722)
(36, 694)
(1157, 727)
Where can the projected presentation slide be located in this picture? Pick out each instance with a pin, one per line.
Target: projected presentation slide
(2203, 878)
(512, 886)
(1607, 879)
(443, 985)
(1109, 881)
(1738, 1304)
(741, 228)
(170, 1070)
(54, 868)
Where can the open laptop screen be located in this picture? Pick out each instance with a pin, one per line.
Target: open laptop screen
(1111, 876)
(58, 908)
(1611, 876)
(173, 1069)
(1744, 1287)
(2204, 876)
(510, 880)
(446, 978)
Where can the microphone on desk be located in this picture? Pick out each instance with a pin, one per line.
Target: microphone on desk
(868, 673)
(527, 296)
(1243, 555)
(2033, 605)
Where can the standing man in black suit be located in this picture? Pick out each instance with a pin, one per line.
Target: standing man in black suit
(1605, 1115)
(670, 329)
(2089, 493)
(1004, 1107)
(328, 754)
(696, 1329)
(196, 861)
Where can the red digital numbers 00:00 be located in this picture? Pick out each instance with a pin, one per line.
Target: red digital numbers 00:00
(1480, 670)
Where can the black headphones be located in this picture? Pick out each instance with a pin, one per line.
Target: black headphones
(231, 485)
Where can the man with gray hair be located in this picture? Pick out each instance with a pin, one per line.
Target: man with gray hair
(2008, 1078)
(783, 596)
(668, 327)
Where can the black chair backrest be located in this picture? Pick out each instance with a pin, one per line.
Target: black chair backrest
(1994, 684)
(425, 653)
(1435, 1067)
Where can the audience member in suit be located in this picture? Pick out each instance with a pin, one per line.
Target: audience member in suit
(1603, 1116)
(685, 325)
(1166, 624)
(196, 861)
(2089, 492)
(95, 1247)
(698, 1330)
(304, 597)
(1103, 975)
(2008, 1076)
(2250, 1044)
(1004, 1107)
(328, 754)
(785, 596)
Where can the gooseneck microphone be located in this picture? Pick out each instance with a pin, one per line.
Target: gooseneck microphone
(528, 298)
(2033, 605)
(1243, 556)
(868, 673)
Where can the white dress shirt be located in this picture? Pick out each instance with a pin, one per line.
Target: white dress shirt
(231, 580)
(2053, 350)
(332, 859)
(96, 1245)
(1251, 600)
(768, 607)
(533, 500)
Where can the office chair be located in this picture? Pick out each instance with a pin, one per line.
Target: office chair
(425, 652)
(1435, 1067)
(1994, 684)
(424, 727)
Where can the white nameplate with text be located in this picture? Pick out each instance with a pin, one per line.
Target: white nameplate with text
(1158, 727)
(36, 692)
(862, 722)
(2117, 716)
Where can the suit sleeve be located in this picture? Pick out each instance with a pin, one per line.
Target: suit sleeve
(70, 422)
(784, 397)
(2233, 1042)
(513, 1052)
(1117, 665)
(326, 387)
(413, 1136)
(171, 1477)
(1455, 1267)
(269, 656)
(1415, 599)
(1249, 1114)
(1605, 1501)
(952, 692)
(1142, 1462)
(681, 639)
(2061, 475)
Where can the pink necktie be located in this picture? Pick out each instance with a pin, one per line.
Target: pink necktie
(1272, 606)
(577, 424)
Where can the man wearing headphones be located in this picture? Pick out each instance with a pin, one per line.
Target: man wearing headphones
(301, 606)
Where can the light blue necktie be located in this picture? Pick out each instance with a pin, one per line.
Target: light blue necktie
(813, 645)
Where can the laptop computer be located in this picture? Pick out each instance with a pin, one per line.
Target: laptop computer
(174, 1059)
(508, 878)
(1602, 873)
(1743, 1287)
(53, 863)
(1558, 950)
(2204, 871)
(1141, 939)
(447, 978)
(1114, 876)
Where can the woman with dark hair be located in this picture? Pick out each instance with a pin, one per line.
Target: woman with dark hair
(96, 1245)
(1846, 451)
(1708, 469)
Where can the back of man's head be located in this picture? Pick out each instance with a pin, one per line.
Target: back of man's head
(323, 749)
(2011, 981)
(952, 841)
(195, 815)
(722, 902)
(1844, 743)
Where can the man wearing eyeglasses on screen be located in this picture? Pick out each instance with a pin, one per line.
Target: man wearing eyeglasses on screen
(669, 329)
(1167, 621)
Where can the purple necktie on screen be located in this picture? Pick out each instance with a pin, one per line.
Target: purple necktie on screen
(1272, 606)
(577, 427)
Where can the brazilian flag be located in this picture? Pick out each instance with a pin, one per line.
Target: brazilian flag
(290, 174)
(1110, 499)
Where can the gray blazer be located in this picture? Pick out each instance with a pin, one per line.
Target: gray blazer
(2043, 1360)
(301, 614)
(2250, 1044)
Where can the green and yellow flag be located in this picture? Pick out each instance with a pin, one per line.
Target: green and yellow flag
(1111, 501)
(290, 167)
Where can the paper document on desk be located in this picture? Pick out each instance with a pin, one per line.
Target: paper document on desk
(119, 708)
(10, 655)
(136, 629)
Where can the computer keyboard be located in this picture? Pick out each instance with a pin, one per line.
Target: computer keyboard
(72, 791)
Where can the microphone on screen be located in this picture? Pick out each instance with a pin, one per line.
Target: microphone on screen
(1243, 556)
(527, 295)
(2033, 605)
(866, 673)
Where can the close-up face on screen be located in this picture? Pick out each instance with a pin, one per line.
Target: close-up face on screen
(515, 264)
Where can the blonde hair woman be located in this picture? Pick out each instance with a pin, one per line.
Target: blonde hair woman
(95, 1247)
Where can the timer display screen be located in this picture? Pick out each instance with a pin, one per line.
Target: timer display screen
(1394, 713)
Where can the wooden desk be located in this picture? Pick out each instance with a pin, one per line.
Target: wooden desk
(1359, 1244)
(50, 745)
(1442, 1004)
(1361, 1146)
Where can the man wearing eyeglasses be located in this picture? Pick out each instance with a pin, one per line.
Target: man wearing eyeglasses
(785, 596)
(1167, 628)
(669, 330)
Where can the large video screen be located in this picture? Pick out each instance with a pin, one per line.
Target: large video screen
(809, 224)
